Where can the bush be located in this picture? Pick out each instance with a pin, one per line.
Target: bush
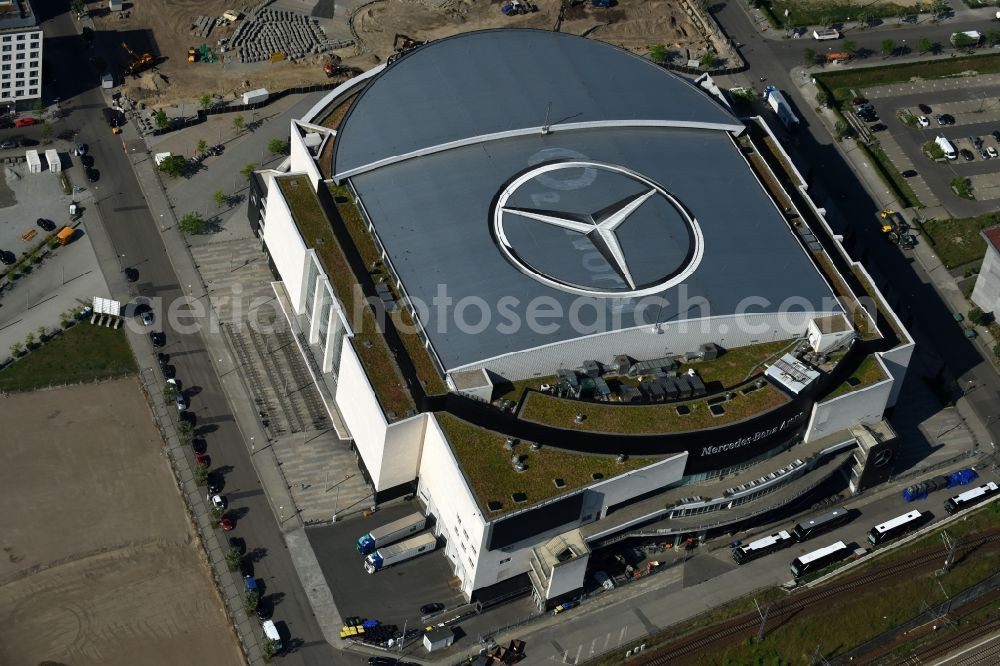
(217, 513)
(201, 474)
(173, 166)
(250, 602)
(977, 316)
(962, 187)
(277, 146)
(193, 224)
(932, 150)
(233, 558)
(658, 53)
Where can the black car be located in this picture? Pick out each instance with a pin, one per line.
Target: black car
(7, 258)
(157, 338)
(430, 609)
(8, 144)
(948, 118)
(966, 155)
(81, 149)
(46, 225)
(169, 372)
(924, 108)
(93, 175)
(162, 359)
(87, 161)
(217, 149)
(909, 173)
(264, 610)
(976, 141)
(879, 127)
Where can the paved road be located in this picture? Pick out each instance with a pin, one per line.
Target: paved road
(904, 283)
(136, 240)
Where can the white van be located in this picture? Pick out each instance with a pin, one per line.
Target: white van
(271, 634)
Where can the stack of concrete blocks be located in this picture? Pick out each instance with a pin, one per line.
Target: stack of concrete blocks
(202, 26)
(266, 31)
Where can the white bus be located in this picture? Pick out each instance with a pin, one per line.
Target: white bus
(818, 559)
(971, 497)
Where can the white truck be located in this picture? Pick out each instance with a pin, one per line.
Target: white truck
(947, 148)
(400, 552)
(827, 33)
(780, 106)
(391, 533)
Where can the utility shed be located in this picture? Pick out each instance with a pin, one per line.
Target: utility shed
(438, 639)
(52, 157)
(34, 162)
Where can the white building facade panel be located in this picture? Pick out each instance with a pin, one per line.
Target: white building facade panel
(986, 293)
(357, 403)
(285, 245)
(866, 405)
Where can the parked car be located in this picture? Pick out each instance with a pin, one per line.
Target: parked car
(147, 317)
(966, 155)
(251, 584)
(976, 141)
(87, 161)
(227, 523)
(81, 149)
(157, 338)
(162, 359)
(859, 101)
(131, 274)
(46, 225)
(178, 396)
(202, 458)
(948, 119)
(924, 108)
(218, 501)
(93, 175)
(923, 122)
(217, 149)
(939, 119)
(984, 154)
(169, 372)
(24, 122)
(7, 258)
(878, 127)
(264, 610)
(996, 135)
(431, 608)
(991, 151)
(909, 173)
(8, 144)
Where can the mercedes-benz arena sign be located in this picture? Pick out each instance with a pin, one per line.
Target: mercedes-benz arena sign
(596, 229)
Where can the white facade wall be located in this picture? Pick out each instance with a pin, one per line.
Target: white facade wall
(301, 158)
(285, 245)
(443, 489)
(401, 451)
(358, 405)
(600, 496)
(644, 343)
(866, 405)
(20, 65)
(986, 293)
(567, 577)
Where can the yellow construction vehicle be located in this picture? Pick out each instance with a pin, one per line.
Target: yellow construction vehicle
(136, 63)
(192, 54)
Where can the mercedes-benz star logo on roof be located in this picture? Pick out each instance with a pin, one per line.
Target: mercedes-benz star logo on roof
(669, 239)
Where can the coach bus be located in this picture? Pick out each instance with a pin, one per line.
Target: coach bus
(815, 525)
(761, 547)
(818, 559)
(893, 528)
(971, 497)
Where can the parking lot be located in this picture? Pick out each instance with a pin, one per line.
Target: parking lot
(966, 112)
(393, 595)
(25, 197)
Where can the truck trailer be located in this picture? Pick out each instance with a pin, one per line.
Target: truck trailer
(828, 33)
(780, 106)
(391, 533)
(400, 552)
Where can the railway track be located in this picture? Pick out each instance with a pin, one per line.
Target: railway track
(748, 623)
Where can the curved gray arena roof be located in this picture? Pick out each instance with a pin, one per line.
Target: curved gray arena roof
(490, 82)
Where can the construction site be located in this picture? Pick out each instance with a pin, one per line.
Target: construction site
(176, 51)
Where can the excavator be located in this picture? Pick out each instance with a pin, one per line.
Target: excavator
(136, 63)
(334, 67)
(401, 44)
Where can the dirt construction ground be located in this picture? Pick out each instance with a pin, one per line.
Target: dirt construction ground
(632, 25)
(99, 564)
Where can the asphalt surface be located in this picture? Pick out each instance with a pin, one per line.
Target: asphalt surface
(136, 239)
(939, 340)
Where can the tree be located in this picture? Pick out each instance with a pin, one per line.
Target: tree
(706, 60)
(192, 224)
(217, 513)
(809, 55)
(201, 474)
(924, 45)
(29, 340)
(201, 147)
(16, 349)
(823, 98)
(843, 130)
(960, 40)
(277, 146)
(173, 166)
(658, 53)
(270, 651)
(47, 132)
(233, 557)
(238, 124)
(977, 316)
(220, 198)
(850, 47)
(160, 119)
(888, 47)
(169, 393)
(250, 602)
(248, 169)
(42, 332)
(185, 431)
(205, 101)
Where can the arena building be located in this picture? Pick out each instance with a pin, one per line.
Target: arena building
(568, 297)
